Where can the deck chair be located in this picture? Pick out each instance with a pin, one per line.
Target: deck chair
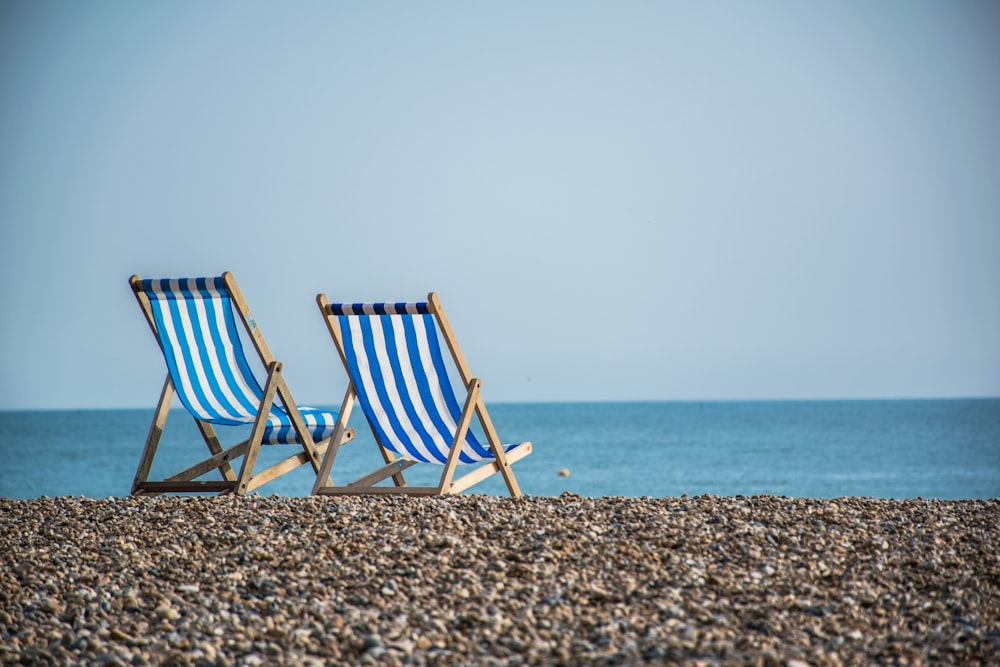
(397, 373)
(193, 322)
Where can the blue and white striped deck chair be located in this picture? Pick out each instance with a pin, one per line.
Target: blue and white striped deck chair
(397, 373)
(194, 323)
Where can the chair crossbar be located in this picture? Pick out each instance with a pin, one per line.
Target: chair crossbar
(381, 490)
(489, 469)
(217, 461)
(184, 288)
(188, 486)
(385, 472)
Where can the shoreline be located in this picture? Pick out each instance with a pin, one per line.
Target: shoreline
(758, 580)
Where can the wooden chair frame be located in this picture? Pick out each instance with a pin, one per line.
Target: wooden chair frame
(274, 387)
(395, 466)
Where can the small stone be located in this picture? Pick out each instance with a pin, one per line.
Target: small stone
(404, 646)
(166, 612)
(770, 658)
(50, 606)
(120, 636)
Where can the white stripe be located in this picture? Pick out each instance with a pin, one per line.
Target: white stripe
(198, 369)
(251, 395)
(436, 389)
(432, 378)
(185, 377)
(392, 390)
(364, 369)
(368, 386)
(424, 411)
(413, 388)
(210, 317)
(274, 424)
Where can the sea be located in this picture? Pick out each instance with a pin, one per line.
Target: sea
(943, 449)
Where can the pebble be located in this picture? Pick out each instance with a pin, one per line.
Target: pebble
(479, 580)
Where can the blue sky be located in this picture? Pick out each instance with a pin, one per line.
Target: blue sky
(615, 201)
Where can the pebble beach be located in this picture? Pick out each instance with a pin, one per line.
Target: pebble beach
(479, 580)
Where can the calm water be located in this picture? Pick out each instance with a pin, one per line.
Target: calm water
(947, 449)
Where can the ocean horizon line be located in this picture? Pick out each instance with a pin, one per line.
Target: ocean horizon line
(613, 401)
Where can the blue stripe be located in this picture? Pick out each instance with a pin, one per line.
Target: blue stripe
(168, 355)
(449, 394)
(396, 438)
(423, 382)
(284, 433)
(378, 376)
(161, 286)
(212, 322)
(241, 361)
(184, 352)
(210, 385)
(161, 296)
(354, 370)
(405, 398)
(216, 331)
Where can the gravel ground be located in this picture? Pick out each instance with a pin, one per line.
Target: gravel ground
(489, 581)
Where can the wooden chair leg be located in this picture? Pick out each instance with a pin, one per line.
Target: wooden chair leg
(463, 427)
(153, 438)
(257, 433)
(336, 440)
(208, 434)
(486, 470)
(503, 465)
(298, 424)
(292, 462)
(392, 460)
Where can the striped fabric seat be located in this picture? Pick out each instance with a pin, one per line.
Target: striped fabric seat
(197, 331)
(395, 362)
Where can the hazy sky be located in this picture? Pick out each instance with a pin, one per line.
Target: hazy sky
(615, 200)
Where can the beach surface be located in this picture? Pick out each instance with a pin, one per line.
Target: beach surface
(488, 581)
